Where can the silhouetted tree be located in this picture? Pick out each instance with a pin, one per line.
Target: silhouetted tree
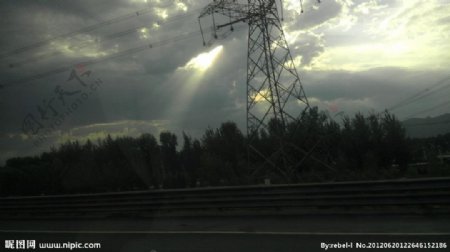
(172, 174)
(362, 148)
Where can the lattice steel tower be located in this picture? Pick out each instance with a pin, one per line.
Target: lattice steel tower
(275, 96)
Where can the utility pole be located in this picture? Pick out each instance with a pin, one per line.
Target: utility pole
(275, 96)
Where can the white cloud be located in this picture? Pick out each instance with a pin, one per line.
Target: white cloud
(132, 128)
(409, 35)
(82, 45)
(204, 60)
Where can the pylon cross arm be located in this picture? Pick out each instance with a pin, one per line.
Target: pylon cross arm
(228, 8)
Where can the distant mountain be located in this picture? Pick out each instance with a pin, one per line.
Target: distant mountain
(427, 127)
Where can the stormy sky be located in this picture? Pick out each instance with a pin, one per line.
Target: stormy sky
(85, 69)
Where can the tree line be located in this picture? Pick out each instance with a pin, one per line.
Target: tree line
(360, 147)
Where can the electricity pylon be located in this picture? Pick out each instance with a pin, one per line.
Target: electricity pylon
(275, 96)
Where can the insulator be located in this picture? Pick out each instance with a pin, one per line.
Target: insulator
(201, 31)
(214, 26)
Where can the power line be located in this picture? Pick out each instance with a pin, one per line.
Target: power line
(426, 123)
(429, 109)
(427, 94)
(69, 34)
(133, 50)
(422, 94)
(418, 96)
(85, 44)
(83, 30)
(68, 67)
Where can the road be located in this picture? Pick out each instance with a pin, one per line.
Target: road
(270, 233)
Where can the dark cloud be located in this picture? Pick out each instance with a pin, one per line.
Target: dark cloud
(308, 46)
(141, 89)
(376, 89)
